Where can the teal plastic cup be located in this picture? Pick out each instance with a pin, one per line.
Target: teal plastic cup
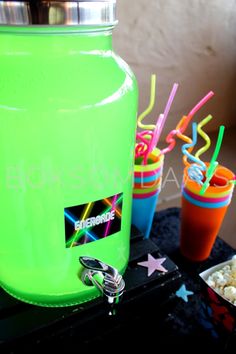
(146, 190)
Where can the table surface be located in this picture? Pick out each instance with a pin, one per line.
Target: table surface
(186, 322)
(151, 321)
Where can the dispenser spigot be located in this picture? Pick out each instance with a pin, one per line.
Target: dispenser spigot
(105, 277)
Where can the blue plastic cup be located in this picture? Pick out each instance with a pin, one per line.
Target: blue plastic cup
(147, 186)
(143, 210)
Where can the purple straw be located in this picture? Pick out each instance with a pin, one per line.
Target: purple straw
(167, 109)
(161, 122)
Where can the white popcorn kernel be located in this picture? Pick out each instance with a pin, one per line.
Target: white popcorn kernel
(227, 268)
(216, 275)
(211, 283)
(219, 279)
(230, 293)
(222, 282)
(228, 277)
(220, 291)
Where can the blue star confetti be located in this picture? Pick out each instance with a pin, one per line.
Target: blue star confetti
(183, 293)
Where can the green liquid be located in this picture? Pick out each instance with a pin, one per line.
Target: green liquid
(68, 109)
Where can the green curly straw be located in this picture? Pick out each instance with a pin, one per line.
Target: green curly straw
(213, 164)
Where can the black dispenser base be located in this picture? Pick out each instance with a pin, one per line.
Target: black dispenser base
(31, 329)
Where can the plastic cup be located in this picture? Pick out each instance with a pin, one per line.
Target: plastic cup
(202, 216)
(147, 186)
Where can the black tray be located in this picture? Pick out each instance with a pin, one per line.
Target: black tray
(31, 328)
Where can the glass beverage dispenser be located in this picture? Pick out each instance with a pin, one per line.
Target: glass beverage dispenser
(68, 109)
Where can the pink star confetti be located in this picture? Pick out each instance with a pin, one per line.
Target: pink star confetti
(153, 264)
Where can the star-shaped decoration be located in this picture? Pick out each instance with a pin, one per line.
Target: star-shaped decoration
(183, 293)
(153, 264)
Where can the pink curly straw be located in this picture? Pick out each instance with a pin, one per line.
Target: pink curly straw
(170, 137)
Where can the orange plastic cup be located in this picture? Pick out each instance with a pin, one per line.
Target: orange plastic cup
(202, 216)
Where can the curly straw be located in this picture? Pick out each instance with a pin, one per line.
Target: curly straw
(213, 164)
(204, 136)
(150, 106)
(183, 124)
(185, 138)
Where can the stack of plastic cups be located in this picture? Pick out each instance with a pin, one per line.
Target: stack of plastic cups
(147, 186)
(202, 215)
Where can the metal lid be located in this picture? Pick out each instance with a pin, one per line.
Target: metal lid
(57, 13)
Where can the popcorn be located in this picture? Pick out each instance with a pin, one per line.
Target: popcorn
(219, 279)
(230, 293)
(223, 281)
(211, 282)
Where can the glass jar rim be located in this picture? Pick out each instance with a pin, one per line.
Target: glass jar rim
(58, 13)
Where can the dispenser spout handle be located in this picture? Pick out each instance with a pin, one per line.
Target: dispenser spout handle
(105, 277)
